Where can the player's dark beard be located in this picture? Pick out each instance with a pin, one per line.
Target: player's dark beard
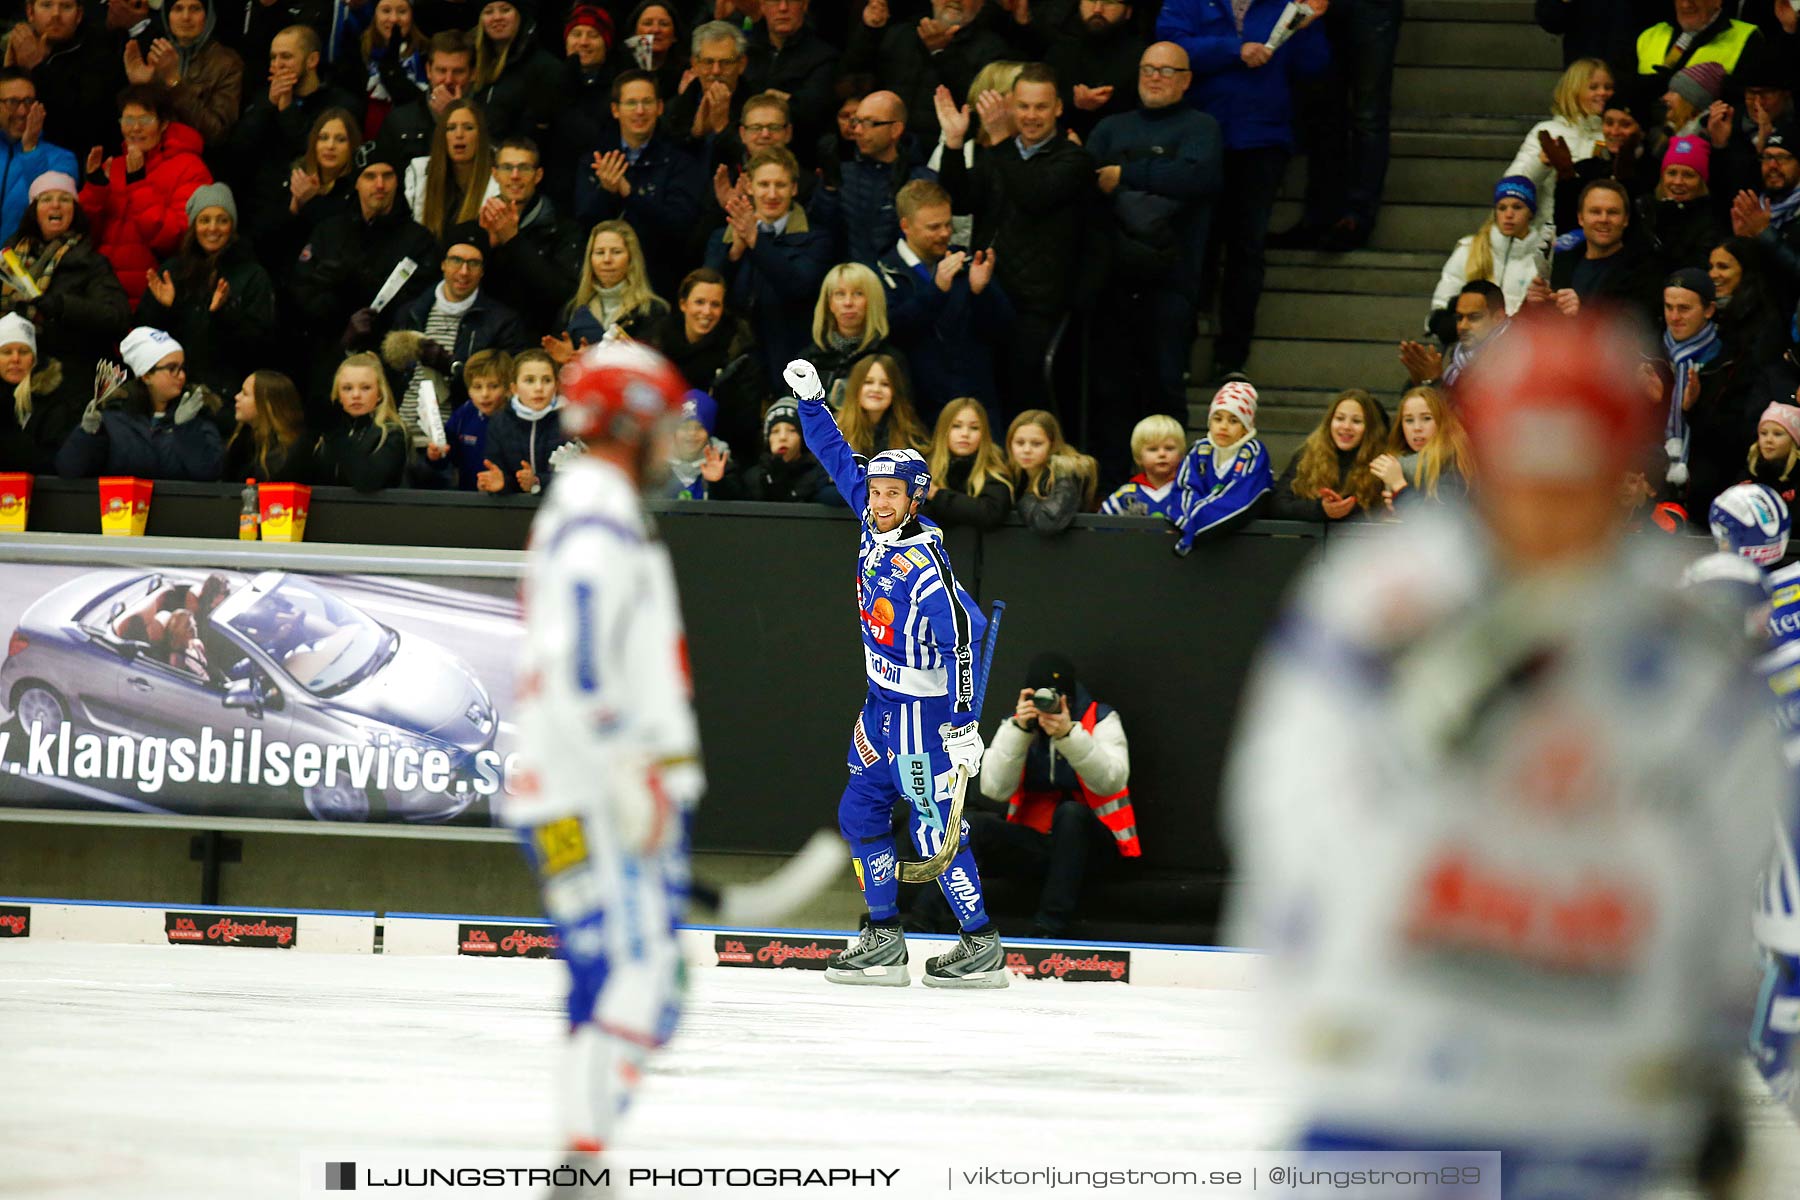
(1097, 24)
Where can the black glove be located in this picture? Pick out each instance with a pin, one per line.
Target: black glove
(50, 306)
(360, 327)
(433, 357)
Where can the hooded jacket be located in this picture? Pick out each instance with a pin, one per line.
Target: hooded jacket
(56, 403)
(1517, 261)
(138, 219)
(210, 92)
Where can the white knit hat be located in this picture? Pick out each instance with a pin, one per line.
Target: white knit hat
(1239, 399)
(16, 329)
(144, 347)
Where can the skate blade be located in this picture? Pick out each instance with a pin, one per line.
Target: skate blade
(980, 979)
(892, 976)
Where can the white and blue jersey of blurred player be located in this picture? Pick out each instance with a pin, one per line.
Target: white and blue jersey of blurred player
(920, 631)
(1751, 523)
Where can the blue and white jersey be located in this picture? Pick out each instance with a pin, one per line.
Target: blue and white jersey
(1784, 604)
(919, 627)
(1138, 499)
(1212, 492)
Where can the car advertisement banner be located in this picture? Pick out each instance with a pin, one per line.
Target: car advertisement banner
(256, 692)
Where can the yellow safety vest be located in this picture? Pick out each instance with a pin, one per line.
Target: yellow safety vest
(1725, 48)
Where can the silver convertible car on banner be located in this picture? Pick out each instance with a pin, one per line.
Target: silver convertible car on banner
(276, 660)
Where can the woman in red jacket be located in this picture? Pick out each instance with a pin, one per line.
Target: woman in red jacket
(136, 202)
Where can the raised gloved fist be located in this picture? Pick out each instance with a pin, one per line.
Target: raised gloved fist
(803, 380)
(190, 406)
(963, 744)
(90, 417)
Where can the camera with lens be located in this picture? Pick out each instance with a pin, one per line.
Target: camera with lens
(1047, 700)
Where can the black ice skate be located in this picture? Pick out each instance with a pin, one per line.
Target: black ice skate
(977, 961)
(877, 959)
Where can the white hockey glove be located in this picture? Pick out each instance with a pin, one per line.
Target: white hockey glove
(567, 453)
(963, 744)
(190, 406)
(803, 379)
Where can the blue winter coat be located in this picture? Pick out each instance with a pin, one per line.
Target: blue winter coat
(131, 443)
(18, 169)
(1253, 107)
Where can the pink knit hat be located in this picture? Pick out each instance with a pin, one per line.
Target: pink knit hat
(1785, 415)
(1695, 152)
(51, 181)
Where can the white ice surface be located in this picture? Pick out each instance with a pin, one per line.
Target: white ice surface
(142, 1072)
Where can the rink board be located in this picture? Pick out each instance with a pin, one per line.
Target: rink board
(422, 934)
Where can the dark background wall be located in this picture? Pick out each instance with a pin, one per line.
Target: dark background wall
(767, 593)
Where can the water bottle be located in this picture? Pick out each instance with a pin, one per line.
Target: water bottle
(250, 516)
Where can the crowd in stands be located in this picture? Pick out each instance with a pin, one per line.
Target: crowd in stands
(380, 227)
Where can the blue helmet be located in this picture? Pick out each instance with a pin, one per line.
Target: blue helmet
(1750, 520)
(906, 465)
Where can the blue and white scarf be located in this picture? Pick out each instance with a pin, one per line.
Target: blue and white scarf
(1783, 210)
(1462, 357)
(1687, 358)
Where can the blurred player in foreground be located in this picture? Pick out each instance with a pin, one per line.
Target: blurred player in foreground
(608, 732)
(1505, 889)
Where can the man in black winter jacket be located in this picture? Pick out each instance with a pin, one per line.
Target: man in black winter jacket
(449, 66)
(534, 255)
(1602, 266)
(786, 56)
(1160, 168)
(77, 70)
(349, 259)
(915, 59)
(1097, 66)
(1033, 198)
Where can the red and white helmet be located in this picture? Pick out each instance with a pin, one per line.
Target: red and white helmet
(619, 390)
(1561, 399)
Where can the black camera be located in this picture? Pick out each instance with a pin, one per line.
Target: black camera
(1047, 700)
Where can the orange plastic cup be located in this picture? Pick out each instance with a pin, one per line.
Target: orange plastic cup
(15, 500)
(284, 507)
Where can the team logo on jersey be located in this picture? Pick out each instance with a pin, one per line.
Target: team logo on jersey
(886, 584)
(900, 564)
(883, 612)
(860, 741)
(881, 632)
(918, 557)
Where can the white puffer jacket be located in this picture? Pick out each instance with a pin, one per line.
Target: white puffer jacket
(1517, 261)
(1582, 140)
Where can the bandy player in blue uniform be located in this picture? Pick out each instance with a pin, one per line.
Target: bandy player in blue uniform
(920, 632)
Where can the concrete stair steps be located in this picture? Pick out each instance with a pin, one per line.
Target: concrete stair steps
(1445, 90)
(1476, 43)
(1313, 317)
(1509, 12)
(1451, 128)
(1417, 228)
(1351, 284)
(1420, 180)
(1493, 148)
(1289, 364)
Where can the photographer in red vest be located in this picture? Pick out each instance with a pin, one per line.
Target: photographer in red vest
(1060, 765)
